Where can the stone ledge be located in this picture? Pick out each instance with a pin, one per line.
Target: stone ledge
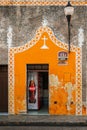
(42, 120)
(63, 124)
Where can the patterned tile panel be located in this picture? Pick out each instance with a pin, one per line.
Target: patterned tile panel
(41, 2)
(11, 81)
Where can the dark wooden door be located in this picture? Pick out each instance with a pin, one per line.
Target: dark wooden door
(3, 88)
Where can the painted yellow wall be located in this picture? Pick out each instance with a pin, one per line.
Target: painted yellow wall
(65, 74)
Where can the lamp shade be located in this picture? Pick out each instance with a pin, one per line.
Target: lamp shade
(69, 9)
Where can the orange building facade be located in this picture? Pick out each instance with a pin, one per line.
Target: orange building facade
(64, 74)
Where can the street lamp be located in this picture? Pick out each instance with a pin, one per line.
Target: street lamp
(68, 10)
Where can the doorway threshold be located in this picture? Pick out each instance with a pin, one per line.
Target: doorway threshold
(37, 114)
(4, 113)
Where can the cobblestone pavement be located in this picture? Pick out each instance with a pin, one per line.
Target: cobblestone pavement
(42, 120)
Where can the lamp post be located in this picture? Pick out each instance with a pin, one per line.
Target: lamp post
(68, 10)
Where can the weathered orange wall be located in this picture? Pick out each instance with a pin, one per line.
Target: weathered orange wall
(35, 55)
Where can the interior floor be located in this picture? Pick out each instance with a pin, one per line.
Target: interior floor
(42, 111)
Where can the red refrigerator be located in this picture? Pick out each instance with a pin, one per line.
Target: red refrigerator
(34, 90)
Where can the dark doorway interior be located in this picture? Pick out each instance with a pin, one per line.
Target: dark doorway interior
(3, 88)
(44, 76)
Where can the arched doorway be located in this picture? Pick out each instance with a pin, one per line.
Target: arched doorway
(46, 48)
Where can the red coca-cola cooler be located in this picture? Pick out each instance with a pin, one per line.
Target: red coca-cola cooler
(34, 90)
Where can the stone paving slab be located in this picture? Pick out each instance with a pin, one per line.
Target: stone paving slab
(41, 120)
(41, 128)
